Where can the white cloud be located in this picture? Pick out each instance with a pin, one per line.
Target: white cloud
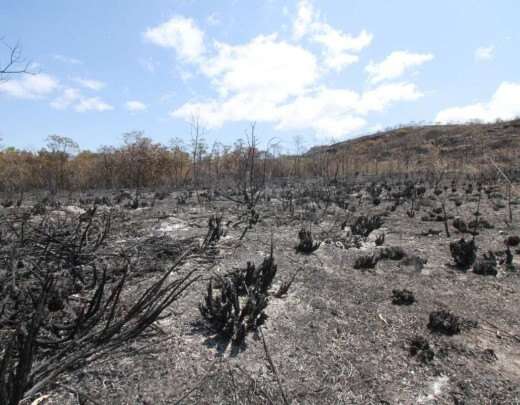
(395, 65)
(339, 47)
(90, 84)
(30, 86)
(381, 97)
(264, 67)
(181, 34)
(304, 19)
(329, 112)
(67, 59)
(269, 79)
(135, 105)
(485, 53)
(504, 104)
(68, 97)
(73, 98)
(213, 19)
(92, 104)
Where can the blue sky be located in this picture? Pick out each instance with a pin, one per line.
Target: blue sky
(323, 70)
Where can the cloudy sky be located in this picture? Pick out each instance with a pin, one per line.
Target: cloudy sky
(325, 70)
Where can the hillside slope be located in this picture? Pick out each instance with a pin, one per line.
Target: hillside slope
(464, 142)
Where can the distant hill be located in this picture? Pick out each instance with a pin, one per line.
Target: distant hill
(454, 143)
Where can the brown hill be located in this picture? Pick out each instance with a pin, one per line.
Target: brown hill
(420, 145)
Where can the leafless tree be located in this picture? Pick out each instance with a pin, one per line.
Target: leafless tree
(197, 146)
(14, 63)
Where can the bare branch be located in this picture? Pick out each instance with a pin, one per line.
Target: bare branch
(15, 63)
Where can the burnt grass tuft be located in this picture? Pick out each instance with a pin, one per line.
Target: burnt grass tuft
(420, 348)
(306, 244)
(238, 308)
(402, 297)
(364, 225)
(464, 253)
(444, 322)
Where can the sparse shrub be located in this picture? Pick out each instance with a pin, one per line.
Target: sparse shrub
(366, 262)
(364, 225)
(509, 260)
(463, 253)
(40, 208)
(460, 225)
(512, 241)
(392, 253)
(481, 223)
(486, 266)
(402, 297)
(239, 307)
(102, 201)
(182, 199)
(416, 261)
(215, 232)
(419, 347)
(284, 287)
(444, 322)
(160, 195)
(306, 244)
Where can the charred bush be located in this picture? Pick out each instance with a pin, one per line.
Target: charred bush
(480, 223)
(463, 253)
(486, 266)
(306, 244)
(363, 225)
(420, 347)
(366, 262)
(121, 196)
(402, 297)
(285, 286)
(182, 199)
(161, 195)
(392, 253)
(52, 333)
(215, 231)
(512, 241)
(238, 308)
(444, 322)
(460, 225)
(380, 239)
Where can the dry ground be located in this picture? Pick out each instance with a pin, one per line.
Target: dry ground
(336, 338)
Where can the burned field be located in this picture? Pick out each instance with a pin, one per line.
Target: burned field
(388, 291)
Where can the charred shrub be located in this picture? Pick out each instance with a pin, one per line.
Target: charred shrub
(392, 253)
(444, 322)
(402, 297)
(366, 262)
(306, 244)
(486, 266)
(512, 241)
(364, 225)
(460, 225)
(481, 223)
(238, 308)
(161, 195)
(380, 240)
(182, 199)
(285, 286)
(463, 253)
(215, 232)
(420, 348)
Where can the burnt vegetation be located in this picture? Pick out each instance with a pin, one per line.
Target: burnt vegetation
(214, 274)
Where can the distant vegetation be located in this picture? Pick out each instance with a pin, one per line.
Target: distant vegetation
(141, 163)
